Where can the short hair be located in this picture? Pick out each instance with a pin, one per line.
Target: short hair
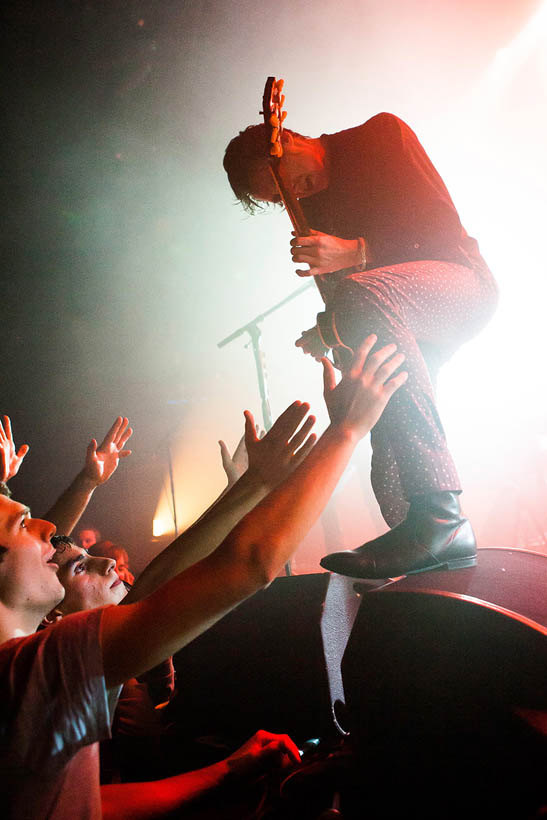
(241, 157)
(106, 549)
(90, 529)
(62, 542)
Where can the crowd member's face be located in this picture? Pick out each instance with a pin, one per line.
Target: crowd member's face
(28, 577)
(302, 167)
(87, 538)
(89, 581)
(122, 566)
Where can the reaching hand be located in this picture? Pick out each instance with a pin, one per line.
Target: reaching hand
(10, 461)
(324, 253)
(359, 399)
(273, 457)
(101, 462)
(237, 464)
(262, 752)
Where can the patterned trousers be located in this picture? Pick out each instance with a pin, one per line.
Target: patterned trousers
(428, 309)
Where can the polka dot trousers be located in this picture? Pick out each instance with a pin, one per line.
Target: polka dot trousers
(428, 309)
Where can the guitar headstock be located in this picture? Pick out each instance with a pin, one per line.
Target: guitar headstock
(272, 110)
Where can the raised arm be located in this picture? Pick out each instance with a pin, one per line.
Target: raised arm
(145, 801)
(270, 459)
(100, 463)
(140, 635)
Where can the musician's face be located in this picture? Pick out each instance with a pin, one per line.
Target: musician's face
(303, 166)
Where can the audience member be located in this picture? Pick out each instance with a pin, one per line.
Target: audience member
(60, 685)
(108, 549)
(88, 537)
(91, 581)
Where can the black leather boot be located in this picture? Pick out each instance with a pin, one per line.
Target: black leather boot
(434, 535)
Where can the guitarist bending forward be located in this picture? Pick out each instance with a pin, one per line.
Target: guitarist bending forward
(377, 206)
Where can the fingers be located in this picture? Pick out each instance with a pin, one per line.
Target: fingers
(312, 272)
(23, 450)
(305, 258)
(112, 433)
(118, 435)
(383, 373)
(91, 451)
(279, 743)
(289, 420)
(301, 454)
(360, 356)
(395, 383)
(124, 433)
(302, 433)
(283, 745)
(224, 454)
(7, 428)
(250, 428)
(303, 241)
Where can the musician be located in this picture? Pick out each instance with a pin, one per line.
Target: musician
(390, 257)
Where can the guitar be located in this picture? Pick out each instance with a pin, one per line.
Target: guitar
(274, 117)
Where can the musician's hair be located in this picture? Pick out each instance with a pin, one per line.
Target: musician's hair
(243, 154)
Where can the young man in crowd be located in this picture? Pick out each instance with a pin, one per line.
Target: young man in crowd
(390, 256)
(60, 685)
(92, 581)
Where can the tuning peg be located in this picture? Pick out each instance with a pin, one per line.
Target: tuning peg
(275, 135)
(279, 86)
(274, 120)
(281, 101)
(283, 115)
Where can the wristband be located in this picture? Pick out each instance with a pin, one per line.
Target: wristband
(363, 253)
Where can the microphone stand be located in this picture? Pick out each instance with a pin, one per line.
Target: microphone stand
(254, 331)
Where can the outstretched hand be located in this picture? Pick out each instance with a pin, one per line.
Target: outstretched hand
(10, 460)
(359, 399)
(101, 461)
(283, 447)
(238, 463)
(262, 752)
(324, 253)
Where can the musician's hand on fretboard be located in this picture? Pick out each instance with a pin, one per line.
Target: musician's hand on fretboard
(324, 253)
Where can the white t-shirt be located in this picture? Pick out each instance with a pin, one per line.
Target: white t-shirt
(54, 708)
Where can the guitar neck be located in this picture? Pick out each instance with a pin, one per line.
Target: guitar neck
(326, 284)
(292, 205)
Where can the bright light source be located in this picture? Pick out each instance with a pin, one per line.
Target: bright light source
(162, 526)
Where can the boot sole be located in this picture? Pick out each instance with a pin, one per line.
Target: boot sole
(459, 563)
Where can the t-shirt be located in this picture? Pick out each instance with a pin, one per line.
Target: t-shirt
(53, 711)
(136, 751)
(383, 187)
